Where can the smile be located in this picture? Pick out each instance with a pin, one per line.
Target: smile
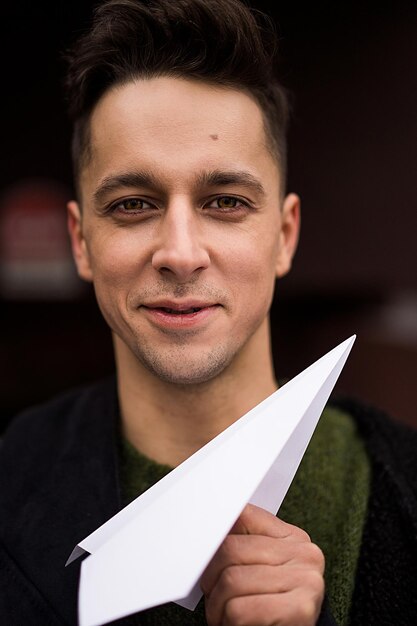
(180, 311)
(180, 316)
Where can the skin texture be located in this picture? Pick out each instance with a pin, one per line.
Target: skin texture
(266, 572)
(182, 209)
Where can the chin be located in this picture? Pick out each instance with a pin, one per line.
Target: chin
(177, 369)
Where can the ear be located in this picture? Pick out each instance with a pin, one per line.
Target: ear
(289, 232)
(78, 243)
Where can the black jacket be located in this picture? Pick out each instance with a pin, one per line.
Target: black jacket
(59, 482)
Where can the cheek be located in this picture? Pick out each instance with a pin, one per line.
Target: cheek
(115, 264)
(115, 259)
(253, 265)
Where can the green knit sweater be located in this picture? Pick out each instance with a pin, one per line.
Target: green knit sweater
(328, 499)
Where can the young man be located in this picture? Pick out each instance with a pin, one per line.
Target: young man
(182, 225)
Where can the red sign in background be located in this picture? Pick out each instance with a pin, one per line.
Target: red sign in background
(35, 256)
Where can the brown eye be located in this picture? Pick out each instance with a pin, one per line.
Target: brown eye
(227, 202)
(133, 204)
(228, 206)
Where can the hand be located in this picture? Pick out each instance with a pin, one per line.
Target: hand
(265, 573)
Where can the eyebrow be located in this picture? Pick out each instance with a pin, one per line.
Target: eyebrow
(220, 178)
(126, 179)
(213, 178)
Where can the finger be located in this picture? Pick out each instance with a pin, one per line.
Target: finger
(285, 609)
(256, 521)
(248, 580)
(257, 550)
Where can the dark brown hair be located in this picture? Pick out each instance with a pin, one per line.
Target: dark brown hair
(215, 41)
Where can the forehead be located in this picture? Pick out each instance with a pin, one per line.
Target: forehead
(177, 126)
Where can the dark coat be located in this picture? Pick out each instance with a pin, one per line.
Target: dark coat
(59, 482)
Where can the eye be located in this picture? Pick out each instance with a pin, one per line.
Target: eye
(227, 203)
(130, 205)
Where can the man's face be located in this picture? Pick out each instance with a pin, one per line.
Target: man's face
(182, 229)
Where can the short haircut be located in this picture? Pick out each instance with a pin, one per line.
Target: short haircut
(220, 42)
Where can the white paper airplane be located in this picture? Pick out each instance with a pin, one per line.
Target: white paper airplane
(156, 549)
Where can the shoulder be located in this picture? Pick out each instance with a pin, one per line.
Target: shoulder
(57, 484)
(53, 417)
(382, 434)
(391, 445)
(389, 536)
(37, 438)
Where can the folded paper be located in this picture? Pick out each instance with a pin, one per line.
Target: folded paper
(156, 549)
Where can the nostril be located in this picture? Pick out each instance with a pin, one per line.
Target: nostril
(182, 263)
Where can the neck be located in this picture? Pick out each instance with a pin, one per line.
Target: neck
(169, 422)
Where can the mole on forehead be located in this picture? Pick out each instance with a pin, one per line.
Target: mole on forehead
(214, 137)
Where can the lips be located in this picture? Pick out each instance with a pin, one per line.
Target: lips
(180, 315)
(179, 311)
(176, 307)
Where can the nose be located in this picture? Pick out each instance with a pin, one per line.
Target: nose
(180, 248)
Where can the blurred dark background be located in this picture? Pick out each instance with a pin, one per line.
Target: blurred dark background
(352, 71)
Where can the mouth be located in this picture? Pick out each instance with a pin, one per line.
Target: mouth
(169, 311)
(180, 315)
